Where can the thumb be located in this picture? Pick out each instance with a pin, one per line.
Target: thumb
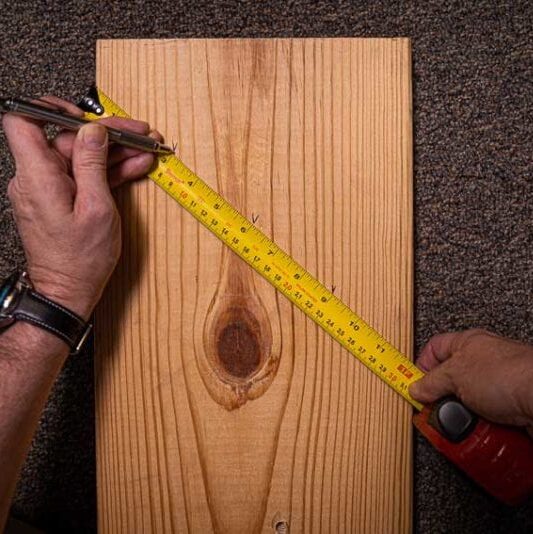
(89, 160)
(436, 384)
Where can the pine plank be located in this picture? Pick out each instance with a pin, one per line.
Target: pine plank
(313, 137)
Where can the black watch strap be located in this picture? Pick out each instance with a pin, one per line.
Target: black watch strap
(40, 311)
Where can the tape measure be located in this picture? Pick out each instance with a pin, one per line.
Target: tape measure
(498, 457)
(275, 265)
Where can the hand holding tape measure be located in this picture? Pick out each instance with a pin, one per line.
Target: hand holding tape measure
(498, 457)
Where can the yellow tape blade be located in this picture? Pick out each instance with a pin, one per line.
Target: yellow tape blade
(279, 268)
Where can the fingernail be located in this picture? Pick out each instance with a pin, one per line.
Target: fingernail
(93, 135)
(154, 134)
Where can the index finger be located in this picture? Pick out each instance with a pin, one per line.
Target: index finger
(54, 102)
(437, 350)
(26, 137)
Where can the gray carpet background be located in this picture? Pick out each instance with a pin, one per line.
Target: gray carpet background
(473, 92)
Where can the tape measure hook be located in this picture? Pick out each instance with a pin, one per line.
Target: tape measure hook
(90, 103)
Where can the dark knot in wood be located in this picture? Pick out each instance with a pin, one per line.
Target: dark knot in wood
(239, 349)
(240, 361)
(239, 341)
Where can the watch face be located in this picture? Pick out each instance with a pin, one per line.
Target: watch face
(9, 293)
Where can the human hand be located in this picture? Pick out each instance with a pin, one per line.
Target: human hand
(62, 203)
(491, 375)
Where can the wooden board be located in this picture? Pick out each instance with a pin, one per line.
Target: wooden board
(220, 407)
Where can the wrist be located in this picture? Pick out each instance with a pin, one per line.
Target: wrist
(65, 314)
(76, 297)
(24, 341)
(78, 303)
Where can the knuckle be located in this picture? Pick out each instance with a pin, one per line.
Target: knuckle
(11, 190)
(477, 331)
(103, 213)
(92, 160)
(97, 208)
(465, 339)
(473, 333)
(18, 195)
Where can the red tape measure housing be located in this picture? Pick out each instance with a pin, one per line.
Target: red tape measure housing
(497, 457)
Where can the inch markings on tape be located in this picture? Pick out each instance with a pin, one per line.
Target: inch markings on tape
(272, 263)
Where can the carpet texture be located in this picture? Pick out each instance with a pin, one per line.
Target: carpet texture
(472, 83)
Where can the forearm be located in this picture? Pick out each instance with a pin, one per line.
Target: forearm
(30, 360)
(70, 230)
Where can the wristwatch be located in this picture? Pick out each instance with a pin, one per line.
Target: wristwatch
(19, 301)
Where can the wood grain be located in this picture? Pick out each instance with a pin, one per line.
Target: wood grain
(313, 138)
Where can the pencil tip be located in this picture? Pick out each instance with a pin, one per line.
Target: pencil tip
(165, 149)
